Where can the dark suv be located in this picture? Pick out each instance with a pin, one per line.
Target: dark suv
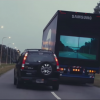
(37, 66)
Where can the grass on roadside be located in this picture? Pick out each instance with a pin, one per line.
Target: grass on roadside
(6, 67)
(97, 80)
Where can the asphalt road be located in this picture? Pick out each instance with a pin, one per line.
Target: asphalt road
(71, 55)
(9, 91)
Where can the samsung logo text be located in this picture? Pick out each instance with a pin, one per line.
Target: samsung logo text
(82, 17)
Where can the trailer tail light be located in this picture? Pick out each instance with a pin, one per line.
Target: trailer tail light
(57, 63)
(91, 71)
(83, 70)
(98, 16)
(77, 70)
(62, 69)
(24, 59)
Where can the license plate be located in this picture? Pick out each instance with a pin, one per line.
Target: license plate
(40, 81)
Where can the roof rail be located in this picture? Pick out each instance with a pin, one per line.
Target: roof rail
(37, 50)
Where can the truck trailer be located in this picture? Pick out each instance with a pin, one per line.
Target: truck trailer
(75, 39)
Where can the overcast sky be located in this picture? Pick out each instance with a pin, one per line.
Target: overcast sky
(24, 20)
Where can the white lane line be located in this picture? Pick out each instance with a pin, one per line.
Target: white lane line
(54, 94)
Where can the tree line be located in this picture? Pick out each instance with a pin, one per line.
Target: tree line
(11, 52)
(97, 9)
(89, 47)
(64, 48)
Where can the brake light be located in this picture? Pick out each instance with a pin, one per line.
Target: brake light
(58, 68)
(24, 59)
(57, 61)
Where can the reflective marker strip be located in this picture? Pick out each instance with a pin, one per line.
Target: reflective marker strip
(68, 69)
(83, 70)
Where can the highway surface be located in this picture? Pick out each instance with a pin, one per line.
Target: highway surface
(71, 55)
(9, 91)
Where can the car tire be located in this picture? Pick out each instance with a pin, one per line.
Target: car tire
(15, 81)
(55, 87)
(41, 74)
(18, 83)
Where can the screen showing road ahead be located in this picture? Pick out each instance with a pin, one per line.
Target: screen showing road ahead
(78, 47)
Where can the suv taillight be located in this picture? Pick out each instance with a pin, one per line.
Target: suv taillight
(24, 59)
(58, 68)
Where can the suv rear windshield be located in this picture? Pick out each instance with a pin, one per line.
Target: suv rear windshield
(39, 56)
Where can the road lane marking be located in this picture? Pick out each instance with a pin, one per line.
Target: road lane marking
(54, 94)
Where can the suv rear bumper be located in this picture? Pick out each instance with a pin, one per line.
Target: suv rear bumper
(48, 81)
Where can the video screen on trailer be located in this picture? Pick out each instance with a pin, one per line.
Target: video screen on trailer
(78, 47)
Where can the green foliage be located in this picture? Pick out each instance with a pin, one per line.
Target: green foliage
(97, 9)
(14, 54)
